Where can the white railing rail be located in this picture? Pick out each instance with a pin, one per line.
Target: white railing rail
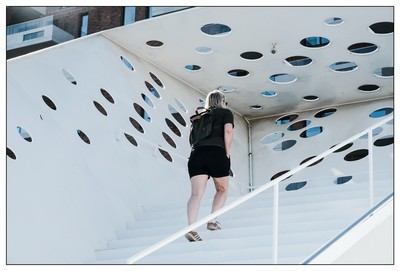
(275, 184)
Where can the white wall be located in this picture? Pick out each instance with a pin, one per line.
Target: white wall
(67, 198)
(347, 121)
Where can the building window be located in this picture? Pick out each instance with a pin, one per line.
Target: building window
(156, 11)
(84, 25)
(33, 35)
(129, 15)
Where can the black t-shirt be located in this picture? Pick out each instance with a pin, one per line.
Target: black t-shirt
(222, 117)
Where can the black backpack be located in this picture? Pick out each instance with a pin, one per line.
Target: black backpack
(201, 126)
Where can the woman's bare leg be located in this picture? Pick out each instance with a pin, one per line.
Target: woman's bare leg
(221, 187)
(198, 184)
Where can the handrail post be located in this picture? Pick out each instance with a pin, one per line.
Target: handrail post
(275, 224)
(371, 169)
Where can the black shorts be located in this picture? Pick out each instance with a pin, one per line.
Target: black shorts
(209, 160)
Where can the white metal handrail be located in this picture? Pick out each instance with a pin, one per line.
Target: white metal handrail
(275, 184)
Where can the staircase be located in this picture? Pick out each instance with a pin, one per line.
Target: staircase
(308, 218)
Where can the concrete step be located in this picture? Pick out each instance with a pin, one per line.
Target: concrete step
(257, 216)
(318, 197)
(228, 255)
(214, 242)
(248, 211)
(308, 218)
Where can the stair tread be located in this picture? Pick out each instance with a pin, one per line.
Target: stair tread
(230, 237)
(295, 220)
(180, 217)
(305, 224)
(284, 202)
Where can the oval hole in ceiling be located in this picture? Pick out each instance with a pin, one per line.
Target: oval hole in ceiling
(204, 50)
(136, 125)
(152, 90)
(382, 27)
(385, 72)
(368, 88)
(362, 48)
(169, 140)
(178, 117)
(310, 98)
(154, 43)
(285, 145)
(273, 137)
(192, 67)
(251, 55)
(11, 154)
(345, 147)
(83, 136)
(256, 107)
(311, 132)
(315, 42)
(156, 79)
(381, 112)
(343, 66)
(343, 180)
(216, 29)
(312, 164)
(202, 102)
(49, 102)
(107, 95)
(147, 100)
(181, 105)
(127, 63)
(280, 174)
(100, 108)
(282, 78)
(269, 93)
(384, 141)
(356, 155)
(165, 154)
(238, 73)
(131, 139)
(69, 77)
(143, 113)
(226, 89)
(325, 113)
(286, 119)
(298, 61)
(299, 125)
(24, 134)
(295, 186)
(173, 127)
(334, 21)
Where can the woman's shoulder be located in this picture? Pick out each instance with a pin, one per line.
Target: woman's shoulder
(223, 112)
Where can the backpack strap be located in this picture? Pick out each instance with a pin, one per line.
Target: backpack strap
(202, 108)
(198, 114)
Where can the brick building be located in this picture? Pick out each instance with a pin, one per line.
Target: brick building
(80, 21)
(33, 28)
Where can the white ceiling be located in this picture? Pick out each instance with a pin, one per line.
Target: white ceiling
(257, 29)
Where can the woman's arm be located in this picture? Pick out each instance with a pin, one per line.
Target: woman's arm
(228, 137)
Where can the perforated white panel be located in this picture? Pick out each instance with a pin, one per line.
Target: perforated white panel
(97, 128)
(79, 191)
(346, 121)
(257, 29)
